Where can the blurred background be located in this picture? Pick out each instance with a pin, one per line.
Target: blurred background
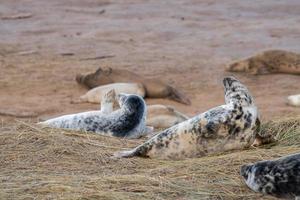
(186, 43)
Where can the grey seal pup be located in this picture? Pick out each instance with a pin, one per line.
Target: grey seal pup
(279, 178)
(226, 127)
(129, 121)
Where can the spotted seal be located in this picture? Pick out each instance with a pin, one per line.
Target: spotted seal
(129, 121)
(226, 127)
(270, 61)
(279, 178)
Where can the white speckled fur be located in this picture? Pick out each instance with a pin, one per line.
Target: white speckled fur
(77, 121)
(158, 116)
(227, 127)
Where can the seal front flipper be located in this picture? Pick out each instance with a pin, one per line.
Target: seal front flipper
(108, 101)
(178, 96)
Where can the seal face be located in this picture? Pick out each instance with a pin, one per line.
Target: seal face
(223, 128)
(128, 121)
(280, 178)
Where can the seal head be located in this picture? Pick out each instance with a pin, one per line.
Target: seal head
(236, 92)
(132, 121)
(280, 178)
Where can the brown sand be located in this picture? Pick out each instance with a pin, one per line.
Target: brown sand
(186, 43)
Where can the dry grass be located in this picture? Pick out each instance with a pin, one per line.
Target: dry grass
(56, 164)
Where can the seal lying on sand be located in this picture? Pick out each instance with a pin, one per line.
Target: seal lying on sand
(227, 127)
(280, 178)
(154, 88)
(129, 121)
(272, 61)
(294, 100)
(95, 95)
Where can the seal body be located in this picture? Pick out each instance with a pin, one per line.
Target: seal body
(294, 100)
(154, 88)
(129, 121)
(279, 178)
(226, 127)
(95, 95)
(161, 116)
(271, 61)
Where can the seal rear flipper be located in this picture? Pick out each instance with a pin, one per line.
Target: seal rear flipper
(139, 151)
(178, 96)
(42, 124)
(125, 154)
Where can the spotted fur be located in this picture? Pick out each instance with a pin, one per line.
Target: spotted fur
(128, 121)
(226, 127)
(158, 116)
(279, 178)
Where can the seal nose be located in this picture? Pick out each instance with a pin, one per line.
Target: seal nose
(244, 171)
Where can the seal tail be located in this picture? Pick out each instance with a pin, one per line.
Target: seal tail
(178, 96)
(178, 114)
